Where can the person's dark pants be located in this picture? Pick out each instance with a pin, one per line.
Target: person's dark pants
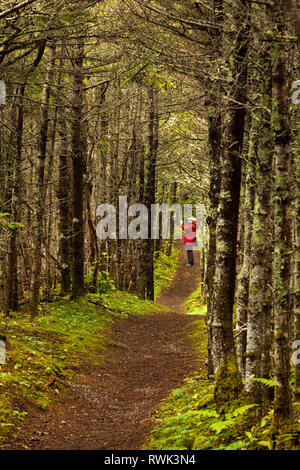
(190, 255)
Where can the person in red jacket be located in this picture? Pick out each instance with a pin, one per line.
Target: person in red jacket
(190, 238)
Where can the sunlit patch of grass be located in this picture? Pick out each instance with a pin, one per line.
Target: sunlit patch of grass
(165, 269)
(194, 305)
(126, 303)
(196, 335)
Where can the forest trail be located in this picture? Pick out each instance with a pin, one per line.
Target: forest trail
(111, 407)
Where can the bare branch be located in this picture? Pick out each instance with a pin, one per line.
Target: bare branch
(16, 8)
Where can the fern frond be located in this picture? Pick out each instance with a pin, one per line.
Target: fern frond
(268, 382)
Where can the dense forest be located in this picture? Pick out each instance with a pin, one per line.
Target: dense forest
(168, 102)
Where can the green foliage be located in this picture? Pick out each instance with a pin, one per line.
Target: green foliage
(230, 420)
(267, 382)
(188, 418)
(102, 284)
(164, 269)
(196, 334)
(11, 225)
(194, 305)
(126, 303)
(178, 419)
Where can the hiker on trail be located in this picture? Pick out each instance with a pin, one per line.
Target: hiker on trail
(190, 240)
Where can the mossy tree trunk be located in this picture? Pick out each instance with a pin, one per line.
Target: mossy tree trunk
(78, 165)
(40, 188)
(281, 266)
(228, 382)
(214, 143)
(224, 356)
(259, 310)
(12, 297)
(297, 266)
(63, 192)
(214, 193)
(243, 282)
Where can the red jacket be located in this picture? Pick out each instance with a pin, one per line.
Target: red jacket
(189, 232)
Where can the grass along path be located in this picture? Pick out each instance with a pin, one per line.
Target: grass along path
(111, 404)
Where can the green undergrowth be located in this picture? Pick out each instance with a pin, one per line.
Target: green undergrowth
(188, 420)
(47, 352)
(194, 305)
(165, 269)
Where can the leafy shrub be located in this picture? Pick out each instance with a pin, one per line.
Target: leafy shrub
(99, 284)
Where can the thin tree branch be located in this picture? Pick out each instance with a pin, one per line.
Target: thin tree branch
(16, 8)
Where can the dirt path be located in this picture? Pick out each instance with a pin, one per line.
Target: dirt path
(112, 406)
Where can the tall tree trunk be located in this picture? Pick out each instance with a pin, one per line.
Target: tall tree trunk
(40, 196)
(140, 262)
(173, 200)
(228, 381)
(214, 142)
(214, 193)
(78, 165)
(149, 193)
(63, 192)
(243, 282)
(12, 281)
(281, 269)
(297, 267)
(293, 12)
(259, 311)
